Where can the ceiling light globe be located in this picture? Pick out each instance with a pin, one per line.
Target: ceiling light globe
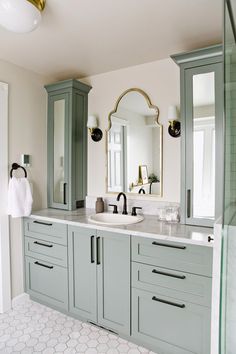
(19, 16)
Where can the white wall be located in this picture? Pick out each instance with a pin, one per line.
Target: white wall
(160, 80)
(27, 134)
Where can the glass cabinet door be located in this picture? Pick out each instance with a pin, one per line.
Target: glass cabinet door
(204, 144)
(57, 141)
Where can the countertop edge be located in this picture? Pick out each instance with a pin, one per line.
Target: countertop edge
(123, 231)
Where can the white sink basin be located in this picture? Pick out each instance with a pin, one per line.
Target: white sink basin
(115, 219)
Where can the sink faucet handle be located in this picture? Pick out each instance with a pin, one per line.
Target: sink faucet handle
(115, 211)
(134, 211)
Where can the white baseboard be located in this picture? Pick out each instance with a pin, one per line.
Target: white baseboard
(20, 299)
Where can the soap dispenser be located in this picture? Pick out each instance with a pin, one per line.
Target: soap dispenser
(99, 205)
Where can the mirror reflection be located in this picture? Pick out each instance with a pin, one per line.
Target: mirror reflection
(204, 145)
(134, 146)
(59, 143)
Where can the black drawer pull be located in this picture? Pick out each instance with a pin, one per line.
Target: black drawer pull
(43, 265)
(169, 274)
(92, 249)
(42, 244)
(182, 306)
(98, 250)
(42, 223)
(167, 245)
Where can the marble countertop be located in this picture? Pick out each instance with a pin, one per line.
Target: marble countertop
(149, 227)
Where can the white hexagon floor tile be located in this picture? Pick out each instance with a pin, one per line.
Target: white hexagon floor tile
(31, 328)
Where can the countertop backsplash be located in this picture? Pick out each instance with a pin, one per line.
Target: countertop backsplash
(149, 207)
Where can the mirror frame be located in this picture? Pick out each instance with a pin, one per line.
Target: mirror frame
(151, 106)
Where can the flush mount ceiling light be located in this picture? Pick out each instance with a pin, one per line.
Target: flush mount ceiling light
(21, 16)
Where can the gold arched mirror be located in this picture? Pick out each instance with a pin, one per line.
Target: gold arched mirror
(134, 146)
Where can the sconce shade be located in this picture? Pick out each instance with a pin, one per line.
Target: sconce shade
(21, 16)
(92, 122)
(173, 113)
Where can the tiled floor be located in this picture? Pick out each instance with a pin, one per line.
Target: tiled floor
(33, 328)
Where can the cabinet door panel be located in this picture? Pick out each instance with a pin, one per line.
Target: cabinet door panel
(114, 282)
(170, 328)
(47, 282)
(82, 272)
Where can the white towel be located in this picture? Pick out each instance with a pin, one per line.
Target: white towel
(19, 197)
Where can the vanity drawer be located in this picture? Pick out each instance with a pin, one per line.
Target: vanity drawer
(46, 230)
(46, 251)
(170, 326)
(183, 286)
(183, 257)
(47, 282)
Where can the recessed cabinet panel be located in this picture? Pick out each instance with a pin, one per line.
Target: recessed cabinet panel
(47, 282)
(114, 281)
(170, 326)
(82, 273)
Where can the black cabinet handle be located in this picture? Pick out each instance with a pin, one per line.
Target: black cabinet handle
(188, 203)
(169, 274)
(182, 306)
(42, 244)
(167, 245)
(43, 265)
(42, 223)
(64, 193)
(98, 250)
(92, 248)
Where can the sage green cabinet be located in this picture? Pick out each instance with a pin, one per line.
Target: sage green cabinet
(99, 277)
(47, 282)
(67, 144)
(82, 273)
(170, 326)
(113, 277)
(202, 135)
(171, 296)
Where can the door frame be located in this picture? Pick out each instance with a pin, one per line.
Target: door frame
(5, 274)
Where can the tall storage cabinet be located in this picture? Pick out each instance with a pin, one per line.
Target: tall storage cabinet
(202, 127)
(67, 144)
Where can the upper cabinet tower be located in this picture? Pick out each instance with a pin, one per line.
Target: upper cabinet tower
(67, 144)
(201, 106)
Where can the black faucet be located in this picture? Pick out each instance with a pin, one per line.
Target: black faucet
(125, 202)
(141, 191)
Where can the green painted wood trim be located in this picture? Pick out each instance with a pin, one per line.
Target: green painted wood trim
(66, 84)
(203, 53)
(187, 170)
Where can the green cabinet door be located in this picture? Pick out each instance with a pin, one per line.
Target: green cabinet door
(67, 144)
(170, 326)
(82, 272)
(113, 279)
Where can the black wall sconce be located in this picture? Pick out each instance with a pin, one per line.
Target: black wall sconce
(174, 128)
(95, 132)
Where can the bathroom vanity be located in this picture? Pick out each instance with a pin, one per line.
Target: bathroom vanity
(149, 282)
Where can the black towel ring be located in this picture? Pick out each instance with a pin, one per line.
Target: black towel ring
(15, 166)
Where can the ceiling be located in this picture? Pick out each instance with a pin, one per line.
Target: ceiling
(78, 38)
